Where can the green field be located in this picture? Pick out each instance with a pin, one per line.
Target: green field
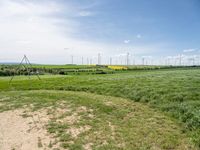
(24, 69)
(147, 109)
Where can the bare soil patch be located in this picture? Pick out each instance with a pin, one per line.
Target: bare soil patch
(23, 129)
(22, 133)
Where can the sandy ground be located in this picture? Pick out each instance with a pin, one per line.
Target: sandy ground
(23, 129)
(23, 133)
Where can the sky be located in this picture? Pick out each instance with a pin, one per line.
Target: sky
(52, 31)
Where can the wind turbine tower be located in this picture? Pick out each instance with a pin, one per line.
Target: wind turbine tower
(143, 61)
(82, 60)
(110, 60)
(87, 61)
(127, 59)
(72, 59)
(180, 60)
(99, 59)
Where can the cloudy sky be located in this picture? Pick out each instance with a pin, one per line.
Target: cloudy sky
(51, 31)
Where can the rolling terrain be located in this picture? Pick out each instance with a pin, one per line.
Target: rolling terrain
(147, 109)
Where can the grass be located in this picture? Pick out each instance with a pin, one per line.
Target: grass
(102, 122)
(11, 69)
(173, 92)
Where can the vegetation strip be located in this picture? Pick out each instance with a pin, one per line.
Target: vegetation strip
(79, 120)
(175, 92)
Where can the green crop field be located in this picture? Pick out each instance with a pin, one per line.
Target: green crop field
(135, 109)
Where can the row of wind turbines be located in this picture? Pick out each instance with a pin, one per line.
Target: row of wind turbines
(130, 59)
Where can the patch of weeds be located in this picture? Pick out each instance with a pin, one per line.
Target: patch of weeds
(25, 115)
(54, 127)
(75, 147)
(39, 142)
(50, 144)
(65, 137)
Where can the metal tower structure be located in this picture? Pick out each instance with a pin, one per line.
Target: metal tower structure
(110, 60)
(82, 60)
(72, 59)
(99, 59)
(25, 63)
(127, 59)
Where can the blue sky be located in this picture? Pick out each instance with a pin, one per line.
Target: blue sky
(51, 31)
(174, 23)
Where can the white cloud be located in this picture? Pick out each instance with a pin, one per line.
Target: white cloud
(126, 41)
(17, 8)
(121, 55)
(147, 57)
(189, 50)
(37, 28)
(28, 28)
(23, 42)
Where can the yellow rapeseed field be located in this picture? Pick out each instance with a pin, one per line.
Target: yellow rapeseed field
(118, 67)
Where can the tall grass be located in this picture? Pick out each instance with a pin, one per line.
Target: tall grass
(175, 92)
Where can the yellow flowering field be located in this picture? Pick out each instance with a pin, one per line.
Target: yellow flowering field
(118, 67)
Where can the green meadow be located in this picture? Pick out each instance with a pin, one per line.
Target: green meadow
(133, 109)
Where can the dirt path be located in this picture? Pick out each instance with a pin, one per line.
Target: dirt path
(20, 133)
